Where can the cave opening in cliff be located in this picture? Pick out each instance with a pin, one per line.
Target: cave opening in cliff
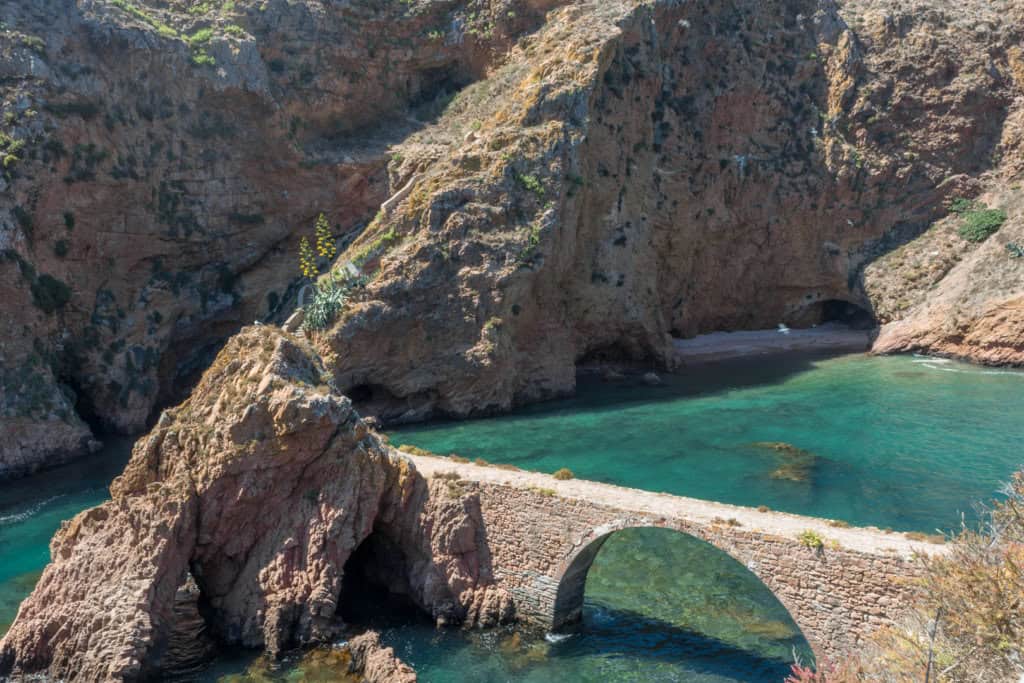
(847, 313)
(616, 354)
(374, 587)
(837, 311)
(373, 400)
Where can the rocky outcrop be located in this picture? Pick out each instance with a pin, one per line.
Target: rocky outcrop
(159, 163)
(944, 295)
(377, 664)
(637, 173)
(259, 487)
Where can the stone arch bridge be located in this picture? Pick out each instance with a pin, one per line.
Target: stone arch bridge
(543, 535)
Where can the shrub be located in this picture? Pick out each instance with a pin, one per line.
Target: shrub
(811, 539)
(563, 474)
(328, 301)
(416, 450)
(49, 293)
(979, 224)
(1015, 250)
(961, 206)
(531, 183)
(929, 538)
(966, 618)
(307, 261)
(763, 508)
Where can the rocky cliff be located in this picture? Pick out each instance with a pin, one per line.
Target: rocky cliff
(258, 489)
(160, 159)
(564, 181)
(635, 173)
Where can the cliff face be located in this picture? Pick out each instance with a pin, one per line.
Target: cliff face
(160, 160)
(636, 173)
(258, 488)
(609, 176)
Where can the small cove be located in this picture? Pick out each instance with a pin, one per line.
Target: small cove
(897, 442)
(901, 442)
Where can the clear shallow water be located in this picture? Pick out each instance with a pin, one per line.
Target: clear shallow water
(898, 442)
(901, 442)
(32, 509)
(660, 606)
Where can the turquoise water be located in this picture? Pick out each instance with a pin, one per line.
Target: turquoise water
(660, 606)
(32, 509)
(898, 442)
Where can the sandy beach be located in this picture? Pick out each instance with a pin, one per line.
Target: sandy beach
(725, 345)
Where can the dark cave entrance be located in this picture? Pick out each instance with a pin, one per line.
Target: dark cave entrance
(836, 311)
(622, 353)
(850, 314)
(374, 588)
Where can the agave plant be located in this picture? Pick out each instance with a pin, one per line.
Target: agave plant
(328, 300)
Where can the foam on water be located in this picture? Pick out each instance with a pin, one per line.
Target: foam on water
(33, 510)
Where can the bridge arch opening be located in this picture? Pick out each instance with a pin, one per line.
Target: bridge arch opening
(694, 596)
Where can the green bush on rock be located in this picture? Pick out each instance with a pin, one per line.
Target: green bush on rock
(980, 224)
(328, 300)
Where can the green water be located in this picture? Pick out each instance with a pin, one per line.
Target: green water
(32, 509)
(660, 607)
(899, 442)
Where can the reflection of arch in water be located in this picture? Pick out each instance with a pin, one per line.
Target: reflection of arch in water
(572, 574)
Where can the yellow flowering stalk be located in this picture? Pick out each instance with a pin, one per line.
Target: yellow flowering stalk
(324, 242)
(307, 260)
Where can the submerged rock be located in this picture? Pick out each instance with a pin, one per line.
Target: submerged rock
(260, 486)
(376, 663)
(795, 464)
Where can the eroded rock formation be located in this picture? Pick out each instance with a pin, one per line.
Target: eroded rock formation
(376, 663)
(259, 488)
(635, 173)
(616, 174)
(159, 162)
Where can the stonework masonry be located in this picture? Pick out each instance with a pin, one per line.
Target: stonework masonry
(543, 535)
